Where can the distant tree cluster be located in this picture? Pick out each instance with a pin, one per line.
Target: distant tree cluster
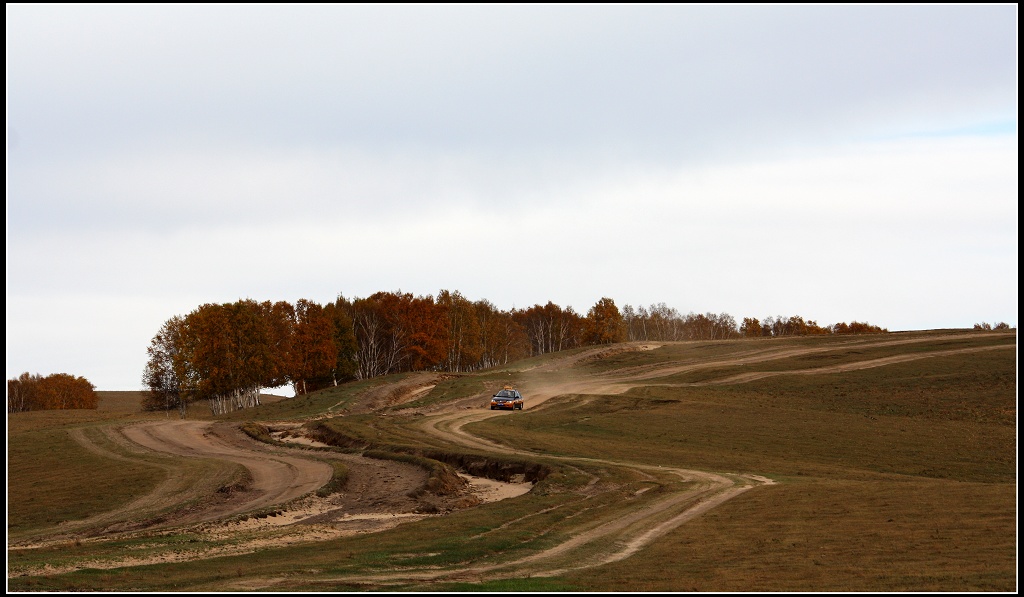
(660, 322)
(776, 327)
(225, 354)
(988, 327)
(53, 392)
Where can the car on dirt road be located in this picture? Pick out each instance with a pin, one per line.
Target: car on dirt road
(507, 398)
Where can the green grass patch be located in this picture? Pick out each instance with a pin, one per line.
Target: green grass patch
(51, 478)
(339, 478)
(672, 353)
(836, 355)
(834, 535)
(335, 400)
(456, 387)
(977, 387)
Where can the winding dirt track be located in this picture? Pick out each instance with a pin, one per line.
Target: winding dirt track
(278, 477)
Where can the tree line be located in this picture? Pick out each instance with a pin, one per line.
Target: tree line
(660, 322)
(226, 353)
(53, 392)
(985, 326)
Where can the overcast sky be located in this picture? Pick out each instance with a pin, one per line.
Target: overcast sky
(835, 162)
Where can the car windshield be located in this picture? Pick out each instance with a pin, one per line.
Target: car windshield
(504, 394)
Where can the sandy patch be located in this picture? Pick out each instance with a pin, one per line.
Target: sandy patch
(489, 490)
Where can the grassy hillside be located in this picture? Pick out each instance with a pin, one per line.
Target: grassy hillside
(896, 477)
(900, 477)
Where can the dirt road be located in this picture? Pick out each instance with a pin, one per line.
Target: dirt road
(276, 478)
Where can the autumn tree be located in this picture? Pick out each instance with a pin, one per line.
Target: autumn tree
(280, 335)
(21, 393)
(664, 323)
(344, 340)
(426, 325)
(255, 362)
(231, 352)
(463, 344)
(779, 326)
(61, 391)
(537, 324)
(224, 353)
(381, 338)
(502, 338)
(487, 315)
(368, 326)
(314, 353)
(658, 322)
(813, 329)
(58, 391)
(634, 323)
(863, 327)
(750, 328)
(165, 373)
(709, 326)
(725, 327)
(604, 323)
(551, 328)
(570, 329)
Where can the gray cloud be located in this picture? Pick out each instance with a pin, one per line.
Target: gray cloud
(661, 80)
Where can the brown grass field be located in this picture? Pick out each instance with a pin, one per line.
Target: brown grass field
(876, 463)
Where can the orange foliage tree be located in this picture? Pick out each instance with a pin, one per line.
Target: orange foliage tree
(604, 323)
(427, 326)
(221, 353)
(314, 354)
(344, 340)
(463, 341)
(551, 328)
(502, 338)
(857, 327)
(750, 328)
(381, 339)
(58, 391)
(165, 373)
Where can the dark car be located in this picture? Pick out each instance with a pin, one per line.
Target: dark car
(507, 398)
